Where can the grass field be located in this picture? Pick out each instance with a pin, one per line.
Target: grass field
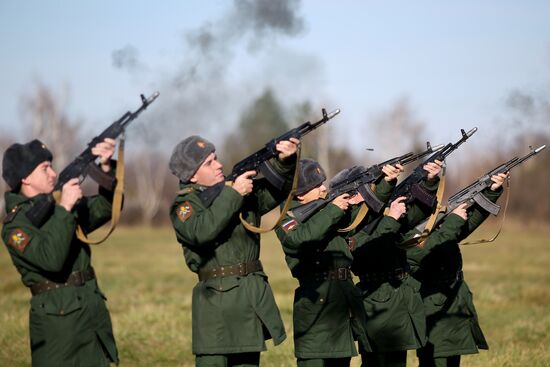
(149, 289)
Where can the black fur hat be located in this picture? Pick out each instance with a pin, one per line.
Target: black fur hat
(188, 155)
(310, 176)
(21, 159)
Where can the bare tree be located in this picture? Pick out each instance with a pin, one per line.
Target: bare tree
(147, 173)
(47, 120)
(398, 127)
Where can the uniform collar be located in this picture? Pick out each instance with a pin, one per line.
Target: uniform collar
(14, 199)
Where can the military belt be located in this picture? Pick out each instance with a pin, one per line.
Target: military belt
(332, 274)
(223, 271)
(398, 274)
(444, 279)
(75, 279)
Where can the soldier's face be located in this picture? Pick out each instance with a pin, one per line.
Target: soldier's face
(41, 180)
(209, 173)
(313, 194)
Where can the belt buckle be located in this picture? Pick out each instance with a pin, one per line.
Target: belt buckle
(78, 278)
(341, 273)
(399, 273)
(243, 269)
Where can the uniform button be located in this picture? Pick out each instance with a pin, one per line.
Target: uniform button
(317, 262)
(321, 300)
(221, 288)
(62, 312)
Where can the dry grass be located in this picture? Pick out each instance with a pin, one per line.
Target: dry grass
(149, 288)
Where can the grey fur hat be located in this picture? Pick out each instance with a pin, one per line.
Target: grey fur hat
(310, 176)
(188, 155)
(345, 174)
(21, 159)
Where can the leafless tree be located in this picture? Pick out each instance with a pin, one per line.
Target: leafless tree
(47, 120)
(148, 173)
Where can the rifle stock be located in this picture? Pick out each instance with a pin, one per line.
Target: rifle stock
(258, 161)
(80, 166)
(410, 188)
(360, 182)
(473, 193)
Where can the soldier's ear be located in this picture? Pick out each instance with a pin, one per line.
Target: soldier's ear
(193, 179)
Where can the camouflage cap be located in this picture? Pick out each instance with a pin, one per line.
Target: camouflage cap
(310, 176)
(188, 155)
(21, 159)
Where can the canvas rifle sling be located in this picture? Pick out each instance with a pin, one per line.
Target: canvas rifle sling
(363, 210)
(288, 201)
(117, 200)
(439, 208)
(475, 242)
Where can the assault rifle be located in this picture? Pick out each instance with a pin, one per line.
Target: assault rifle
(410, 186)
(473, 193)
(84, 163)
(360, 182)
(259, 161)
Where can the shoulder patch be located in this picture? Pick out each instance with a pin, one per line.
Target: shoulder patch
(19, 239)
(352, 244)
(289, 225)
(184, 211)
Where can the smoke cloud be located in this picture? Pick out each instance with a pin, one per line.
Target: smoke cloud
(201, 95)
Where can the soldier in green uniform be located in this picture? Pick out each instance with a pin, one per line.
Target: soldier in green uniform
(233, 307)
(69, 321)
(395, 313)
(328, 312)
(452, 324)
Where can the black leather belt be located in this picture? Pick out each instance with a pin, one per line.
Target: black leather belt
(398, 274)
(241, 269)
(332, 274)
(444, 279)
(75, 279)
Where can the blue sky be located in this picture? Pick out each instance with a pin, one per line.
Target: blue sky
(455, 62)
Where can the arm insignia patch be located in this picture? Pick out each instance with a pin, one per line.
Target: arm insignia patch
(289, 225)
(352, 244)
(184, 211)
(19, 239)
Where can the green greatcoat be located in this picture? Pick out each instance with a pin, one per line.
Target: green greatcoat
(69, 326)
(232, 314)
(395, 313)
(452, 322)
(328, 314)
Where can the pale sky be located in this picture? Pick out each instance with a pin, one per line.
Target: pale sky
(456, 62)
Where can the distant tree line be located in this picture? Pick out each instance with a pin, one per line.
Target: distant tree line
(150, 187)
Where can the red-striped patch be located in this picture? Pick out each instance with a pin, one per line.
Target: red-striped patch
(289, 225)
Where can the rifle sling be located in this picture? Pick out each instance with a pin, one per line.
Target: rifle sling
(439, 208)
(117, 200)
(288, 201)
(501, 222)
(363, 210)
